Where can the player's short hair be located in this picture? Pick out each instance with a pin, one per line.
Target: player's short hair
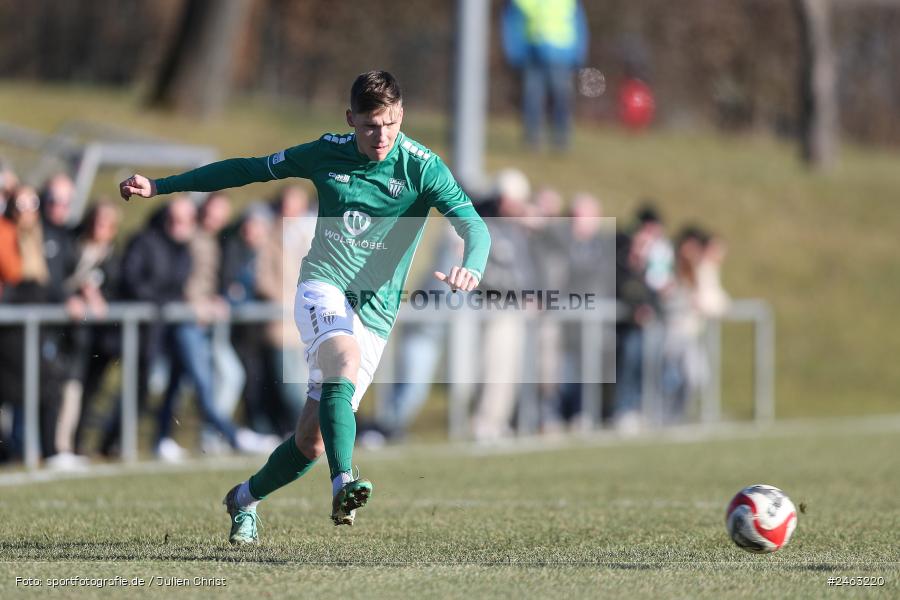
(374, 90)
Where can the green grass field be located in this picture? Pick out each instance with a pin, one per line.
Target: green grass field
(588, 517)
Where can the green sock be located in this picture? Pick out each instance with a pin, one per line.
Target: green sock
(338, 423)
(285, 464)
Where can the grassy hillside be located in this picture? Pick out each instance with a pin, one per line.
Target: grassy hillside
(820, 248)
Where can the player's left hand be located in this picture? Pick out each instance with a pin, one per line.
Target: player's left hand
(459, 278)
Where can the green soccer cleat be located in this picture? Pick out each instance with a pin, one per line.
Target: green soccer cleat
(353, 495)
(244, 522)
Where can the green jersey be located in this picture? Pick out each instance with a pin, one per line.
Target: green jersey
(371, 214)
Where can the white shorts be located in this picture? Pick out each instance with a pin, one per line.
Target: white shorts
(321, 312)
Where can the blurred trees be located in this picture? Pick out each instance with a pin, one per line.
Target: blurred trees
(731, 64)
(196, 73)
(818, 84)
(80, 40)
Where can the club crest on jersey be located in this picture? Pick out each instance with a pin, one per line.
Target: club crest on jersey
(396, 186)
(328, 316)
(356, 222)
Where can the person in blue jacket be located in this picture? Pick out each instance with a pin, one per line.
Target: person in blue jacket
(547, 40)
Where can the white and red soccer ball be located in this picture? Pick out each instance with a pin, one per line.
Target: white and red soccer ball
(761, 518)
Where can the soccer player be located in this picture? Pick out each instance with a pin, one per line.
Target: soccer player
(376, 187)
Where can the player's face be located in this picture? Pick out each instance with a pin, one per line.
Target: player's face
(376, 131)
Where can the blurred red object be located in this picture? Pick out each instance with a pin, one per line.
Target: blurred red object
(636, 104)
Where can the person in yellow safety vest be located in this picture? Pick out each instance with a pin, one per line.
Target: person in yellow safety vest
(547, 40)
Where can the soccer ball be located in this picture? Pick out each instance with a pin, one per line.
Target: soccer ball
(761, 518)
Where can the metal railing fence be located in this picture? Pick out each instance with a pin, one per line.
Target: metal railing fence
(461, 357)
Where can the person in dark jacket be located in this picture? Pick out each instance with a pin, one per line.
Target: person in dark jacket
(155, 268)
(94, 283)
(61, 342)
(635, 290)
(60, 254)
(190, 345)
(60, 239)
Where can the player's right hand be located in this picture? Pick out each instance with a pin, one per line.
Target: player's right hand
(137, 185)
(459, 278)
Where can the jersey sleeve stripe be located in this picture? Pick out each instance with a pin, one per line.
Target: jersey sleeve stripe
(269, 165)
(457, 206)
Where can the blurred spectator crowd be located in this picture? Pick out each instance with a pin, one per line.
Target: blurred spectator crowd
(247, 384)
(186, 252)
(665, 289)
